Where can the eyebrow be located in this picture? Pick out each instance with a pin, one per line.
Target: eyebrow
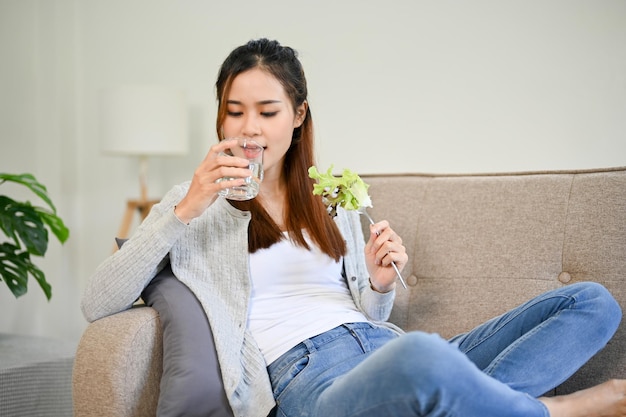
(259, 102)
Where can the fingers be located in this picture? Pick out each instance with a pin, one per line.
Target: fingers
(383, 235)
(216, 172)
(383, 248)
(388, 254)
(386, 245)
(219, 171)
(217, 164)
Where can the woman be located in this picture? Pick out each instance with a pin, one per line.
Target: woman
(297, 301)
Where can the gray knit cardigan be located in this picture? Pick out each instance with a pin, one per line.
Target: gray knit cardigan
(210, 255)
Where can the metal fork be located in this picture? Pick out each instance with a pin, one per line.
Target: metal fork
(363, 210)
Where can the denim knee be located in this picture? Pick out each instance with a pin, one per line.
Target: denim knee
(597, 301)
(443, 381)
(427, 360)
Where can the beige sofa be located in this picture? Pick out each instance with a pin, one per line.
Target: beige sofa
(478, 245)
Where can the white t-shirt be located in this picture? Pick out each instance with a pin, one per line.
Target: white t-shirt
(296, 294)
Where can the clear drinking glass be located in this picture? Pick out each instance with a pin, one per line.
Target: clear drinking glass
(253, 152)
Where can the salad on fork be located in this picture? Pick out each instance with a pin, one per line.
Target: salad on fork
(348, 191)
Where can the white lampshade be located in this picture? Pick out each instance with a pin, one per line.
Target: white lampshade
(144, 120)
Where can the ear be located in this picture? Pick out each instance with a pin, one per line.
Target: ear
(300, 114)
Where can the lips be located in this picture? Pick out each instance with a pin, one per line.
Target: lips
(251, 153)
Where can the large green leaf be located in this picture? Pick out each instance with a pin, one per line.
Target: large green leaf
(22, 220)
(55, 223)
(25, 225)
(31, 182)
(15, 267)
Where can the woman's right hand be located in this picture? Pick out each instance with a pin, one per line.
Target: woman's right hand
(204, 184)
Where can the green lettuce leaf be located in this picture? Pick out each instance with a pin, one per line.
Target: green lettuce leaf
(348, 191)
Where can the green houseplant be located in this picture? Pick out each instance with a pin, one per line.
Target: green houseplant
(25, 226)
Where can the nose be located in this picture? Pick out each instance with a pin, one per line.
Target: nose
(251, 126)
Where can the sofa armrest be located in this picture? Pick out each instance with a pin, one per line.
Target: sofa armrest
(118, 365)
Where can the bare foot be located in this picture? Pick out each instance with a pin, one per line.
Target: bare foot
(604, 400)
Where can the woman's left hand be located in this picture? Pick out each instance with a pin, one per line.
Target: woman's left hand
(384, 247)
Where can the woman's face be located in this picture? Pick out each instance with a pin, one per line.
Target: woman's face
(258, 108)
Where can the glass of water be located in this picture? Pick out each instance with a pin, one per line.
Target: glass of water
(253, 152)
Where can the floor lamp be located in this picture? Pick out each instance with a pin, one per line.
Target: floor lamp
(143, 121)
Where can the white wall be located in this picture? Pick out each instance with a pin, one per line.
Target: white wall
(400, 86)
(38, 134)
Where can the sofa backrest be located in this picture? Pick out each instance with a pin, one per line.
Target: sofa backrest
(481, 244)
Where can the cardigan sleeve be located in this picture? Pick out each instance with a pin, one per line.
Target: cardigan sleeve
(374, 305)
(119, 280)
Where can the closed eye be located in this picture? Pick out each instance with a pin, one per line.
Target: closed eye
(234, 113)
(269, 113)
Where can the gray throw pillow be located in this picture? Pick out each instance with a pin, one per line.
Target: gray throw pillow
(191, 384)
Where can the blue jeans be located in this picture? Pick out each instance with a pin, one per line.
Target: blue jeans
(495, 370)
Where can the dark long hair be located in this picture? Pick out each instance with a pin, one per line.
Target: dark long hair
(303, 209)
